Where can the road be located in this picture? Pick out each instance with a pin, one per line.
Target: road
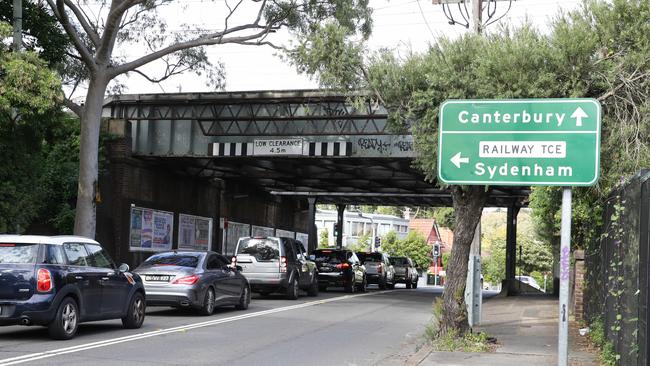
(377, 327)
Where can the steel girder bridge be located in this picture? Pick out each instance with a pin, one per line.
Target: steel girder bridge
(306, 143)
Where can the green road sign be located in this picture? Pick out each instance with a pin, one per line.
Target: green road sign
(549, 142)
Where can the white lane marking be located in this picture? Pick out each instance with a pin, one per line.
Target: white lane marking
(182, 328)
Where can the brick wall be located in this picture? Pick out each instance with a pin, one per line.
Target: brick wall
(578, 284)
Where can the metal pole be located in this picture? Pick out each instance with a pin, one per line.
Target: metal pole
(18, 25)
(312, 240)
(340, 219)
(565, 250)
(372, 242)
(477, 16)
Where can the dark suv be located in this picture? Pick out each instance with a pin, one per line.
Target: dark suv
(273, 264)
(62, 281)
(340, 267)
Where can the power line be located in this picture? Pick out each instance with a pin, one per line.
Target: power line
(425, 19)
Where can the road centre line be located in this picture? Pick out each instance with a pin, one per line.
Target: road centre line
(182, 328)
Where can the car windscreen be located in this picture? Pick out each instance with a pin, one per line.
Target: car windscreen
(369, 257)
(174, 259)
(18, 253)
(399, 262)
(329, 256)
(263, 249)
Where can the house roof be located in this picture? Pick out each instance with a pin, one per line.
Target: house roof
(426, 228)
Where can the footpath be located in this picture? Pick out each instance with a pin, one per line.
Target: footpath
(526, 331)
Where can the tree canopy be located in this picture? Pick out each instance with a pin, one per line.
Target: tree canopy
(600, 51)
(38, 144)
(414, 246)
(608, 39)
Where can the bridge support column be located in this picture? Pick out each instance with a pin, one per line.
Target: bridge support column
(511, 249)
(340, 209)
(311, 221)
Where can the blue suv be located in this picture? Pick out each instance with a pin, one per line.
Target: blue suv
(61, 281)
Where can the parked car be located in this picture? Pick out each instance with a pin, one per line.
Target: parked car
(274, 264)
(61, 281)
(340, 267)
(405, 271)
(201, 280)
(378, 269)
(529, 281)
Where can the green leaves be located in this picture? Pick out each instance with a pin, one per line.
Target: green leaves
(414, 246)
(26, 84)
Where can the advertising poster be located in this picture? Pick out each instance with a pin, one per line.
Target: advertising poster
(146, 236)
(262, 231)
(163, 222)
(285, 234)
(135, 236)
(194, 232)
(234, 231)
(150, 230)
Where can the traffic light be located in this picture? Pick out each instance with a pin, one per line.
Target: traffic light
(336, 229)
(377, 242)
(436, 250)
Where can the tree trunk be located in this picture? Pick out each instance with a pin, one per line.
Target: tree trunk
(468, 206)
(85, 216)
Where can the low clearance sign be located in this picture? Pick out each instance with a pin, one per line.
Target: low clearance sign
(552, 142)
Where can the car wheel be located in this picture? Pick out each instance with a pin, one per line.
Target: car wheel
(415, 284)
(208, 302)
(66, 321)
(390, 286)
(408, 283)
(244, 299)
(322, 288)
(135, 315)
(292, 289)
(382, 283)
(313, 288)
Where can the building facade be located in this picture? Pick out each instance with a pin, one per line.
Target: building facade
(356, 224)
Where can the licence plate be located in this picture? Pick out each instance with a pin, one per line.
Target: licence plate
(157, 278)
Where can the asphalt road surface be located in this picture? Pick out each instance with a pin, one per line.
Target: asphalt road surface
(373, 328)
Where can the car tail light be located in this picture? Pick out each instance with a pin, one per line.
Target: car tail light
(343, 266)
(188, 280)
(43, 280)
(283, 264)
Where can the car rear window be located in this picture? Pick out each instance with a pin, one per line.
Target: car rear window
(18, 253)
(329, 256)
(173, 259)
(263, 249)
(369, 257)
(399, 261)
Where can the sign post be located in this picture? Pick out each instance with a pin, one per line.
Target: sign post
(524, 142)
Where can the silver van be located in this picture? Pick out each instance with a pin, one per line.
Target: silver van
(276, 264)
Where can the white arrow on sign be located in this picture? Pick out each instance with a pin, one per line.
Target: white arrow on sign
(579, 114)
(457, 160)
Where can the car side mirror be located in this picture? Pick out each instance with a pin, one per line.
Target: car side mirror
(239, 268)
(123, 267)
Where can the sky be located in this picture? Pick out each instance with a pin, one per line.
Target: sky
(402, 25)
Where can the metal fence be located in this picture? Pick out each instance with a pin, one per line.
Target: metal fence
(616, 286)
